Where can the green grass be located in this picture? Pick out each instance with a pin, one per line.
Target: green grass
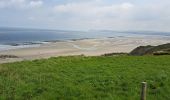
(86, 78)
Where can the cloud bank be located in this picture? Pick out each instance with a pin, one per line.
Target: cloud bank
(88, 14)
(20, 3)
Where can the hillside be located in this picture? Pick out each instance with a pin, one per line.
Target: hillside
(152, 50)
(86, 78)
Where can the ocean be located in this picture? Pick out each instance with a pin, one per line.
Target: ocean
(12, 38)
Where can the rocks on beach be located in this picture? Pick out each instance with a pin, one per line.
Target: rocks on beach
(8, 56)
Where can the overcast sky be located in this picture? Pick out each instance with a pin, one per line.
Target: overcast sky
(86, 14)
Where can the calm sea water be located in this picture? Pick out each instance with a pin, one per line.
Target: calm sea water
(18, 38)
(13, 35)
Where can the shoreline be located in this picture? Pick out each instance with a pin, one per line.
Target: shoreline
(28, 44)
(20, 45)
(87, 47)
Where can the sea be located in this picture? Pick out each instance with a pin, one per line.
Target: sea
(13, 38)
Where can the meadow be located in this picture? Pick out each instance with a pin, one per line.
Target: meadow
(86, 78)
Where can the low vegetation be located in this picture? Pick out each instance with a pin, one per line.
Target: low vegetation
(152, 50)
(8, 56)
(115, 54)
(86, 78)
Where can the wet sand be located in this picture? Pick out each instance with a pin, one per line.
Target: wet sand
(87, 47)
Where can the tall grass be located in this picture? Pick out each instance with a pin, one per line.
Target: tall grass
(86, 78)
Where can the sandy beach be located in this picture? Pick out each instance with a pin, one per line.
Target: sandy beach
(88, 47)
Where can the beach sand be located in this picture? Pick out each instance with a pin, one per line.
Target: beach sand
(87, 47)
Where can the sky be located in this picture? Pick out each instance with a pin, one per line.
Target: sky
(121, 15)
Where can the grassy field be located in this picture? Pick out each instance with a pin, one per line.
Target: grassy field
(86, 78)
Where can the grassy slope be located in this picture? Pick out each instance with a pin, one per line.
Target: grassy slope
(163, 49)
(86, 78)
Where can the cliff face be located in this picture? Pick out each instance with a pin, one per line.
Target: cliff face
(152, 50)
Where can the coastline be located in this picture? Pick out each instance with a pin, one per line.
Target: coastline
(87, 47)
